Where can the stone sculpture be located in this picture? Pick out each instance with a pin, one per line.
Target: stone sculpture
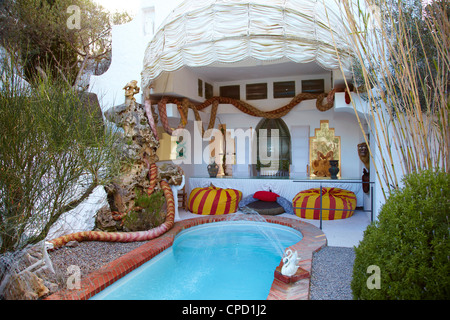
(139, 150)
(363, 153)
(131, 89)
(321, 166)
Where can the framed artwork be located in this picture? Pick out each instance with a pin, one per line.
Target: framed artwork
(324, 146)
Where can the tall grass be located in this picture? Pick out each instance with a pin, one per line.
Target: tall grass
(403, 61)
(54, 151)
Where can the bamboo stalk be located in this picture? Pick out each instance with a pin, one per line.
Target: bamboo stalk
(410, 118)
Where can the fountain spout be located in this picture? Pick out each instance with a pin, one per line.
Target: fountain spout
(290, 263)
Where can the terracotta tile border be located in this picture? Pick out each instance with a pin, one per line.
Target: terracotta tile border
(313, 240)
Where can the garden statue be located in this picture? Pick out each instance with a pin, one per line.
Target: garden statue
(366, 179)
(131, 89)
(363, 153)
(290, 263)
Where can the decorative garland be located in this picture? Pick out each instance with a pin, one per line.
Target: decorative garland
(184, 105)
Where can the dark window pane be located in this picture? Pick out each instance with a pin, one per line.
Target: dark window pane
(230, 92)
(313, 86)
(257, 91)
(285, 89)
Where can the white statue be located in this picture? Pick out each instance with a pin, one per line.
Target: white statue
(290, 263)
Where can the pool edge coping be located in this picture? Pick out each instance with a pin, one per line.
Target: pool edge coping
(313, 240)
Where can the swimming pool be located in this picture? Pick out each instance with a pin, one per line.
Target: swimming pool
(224, 260)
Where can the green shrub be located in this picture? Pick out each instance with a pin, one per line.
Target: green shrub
(54, 152)
(409, 243)
(148, 212)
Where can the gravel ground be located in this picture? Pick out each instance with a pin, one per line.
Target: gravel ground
(332, 269)
(330, 280)
(88, 256)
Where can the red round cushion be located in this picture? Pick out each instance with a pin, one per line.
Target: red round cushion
(266, 196)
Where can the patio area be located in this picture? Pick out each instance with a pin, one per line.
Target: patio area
(340, 233)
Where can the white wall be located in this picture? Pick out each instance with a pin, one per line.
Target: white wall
(341, 117)
(344, 123)
(128, 48)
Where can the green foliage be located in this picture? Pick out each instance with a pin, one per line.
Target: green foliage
(148, 212)
(54, 151)
(39, 29)
(409, 242)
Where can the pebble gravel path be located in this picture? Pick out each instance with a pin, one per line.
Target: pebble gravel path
(332, 269)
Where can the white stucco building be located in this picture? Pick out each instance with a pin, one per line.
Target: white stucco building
(203, 48)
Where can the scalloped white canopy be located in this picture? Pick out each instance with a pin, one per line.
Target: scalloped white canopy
(201, 33)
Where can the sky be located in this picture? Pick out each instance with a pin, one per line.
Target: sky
(120, 5)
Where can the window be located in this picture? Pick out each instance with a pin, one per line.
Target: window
(200, 88)
(313, 86)
(273, 159)
(285, 89)
(256, 91)
(208, 90)
(231, 92)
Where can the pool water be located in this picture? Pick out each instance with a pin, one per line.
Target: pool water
(216, 261)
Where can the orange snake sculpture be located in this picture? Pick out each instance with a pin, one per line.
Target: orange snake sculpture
(125, 236)
(131, 106)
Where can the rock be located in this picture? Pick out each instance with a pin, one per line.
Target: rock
(72, 244)
(82, 218)
(172, 173)
(25, 286)
(104, 220)
(139, 151)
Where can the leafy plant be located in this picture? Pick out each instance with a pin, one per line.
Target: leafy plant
(148, 212)
(409, 243)
(41, 31)
(54, 151)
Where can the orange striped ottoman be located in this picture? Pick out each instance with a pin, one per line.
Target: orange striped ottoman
(214, 201)
(332, 198)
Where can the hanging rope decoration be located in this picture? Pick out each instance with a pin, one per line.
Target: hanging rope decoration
(184, 105)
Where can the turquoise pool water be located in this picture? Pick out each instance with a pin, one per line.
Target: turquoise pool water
(224, 260)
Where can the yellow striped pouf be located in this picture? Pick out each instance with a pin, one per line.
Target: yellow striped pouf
(332, 198)
(214, 201)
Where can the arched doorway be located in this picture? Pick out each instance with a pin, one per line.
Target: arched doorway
(273, 155)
